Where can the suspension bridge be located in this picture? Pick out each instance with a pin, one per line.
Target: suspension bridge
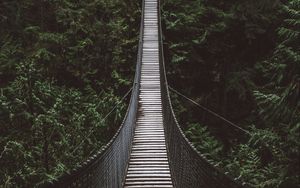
(149, 149)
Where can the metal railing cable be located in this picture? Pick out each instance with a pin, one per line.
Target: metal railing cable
(108, 166)
(189, 168)
(210, 111)
(103, 120)
(260, 143)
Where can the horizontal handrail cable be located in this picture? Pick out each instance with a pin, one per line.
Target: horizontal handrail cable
(107, 167)
(189, 168)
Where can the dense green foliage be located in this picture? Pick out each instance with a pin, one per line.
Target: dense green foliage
(63, 65)
(241, 59)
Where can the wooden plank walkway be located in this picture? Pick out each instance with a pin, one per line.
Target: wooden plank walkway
(148, 165)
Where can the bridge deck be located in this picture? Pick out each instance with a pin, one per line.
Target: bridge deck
(149, 165)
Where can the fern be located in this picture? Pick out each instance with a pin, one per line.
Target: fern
(204, 142)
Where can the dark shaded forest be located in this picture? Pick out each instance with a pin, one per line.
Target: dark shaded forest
(64, 64)
(240, 59)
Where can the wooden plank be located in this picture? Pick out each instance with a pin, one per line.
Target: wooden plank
(148, 165)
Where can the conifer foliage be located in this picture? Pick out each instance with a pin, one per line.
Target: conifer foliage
(63, 65)
(240, 59)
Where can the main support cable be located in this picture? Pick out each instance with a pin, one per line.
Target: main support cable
(248, 133)
(107, 168)
(210, 111)
(189, 168)
(149, 165)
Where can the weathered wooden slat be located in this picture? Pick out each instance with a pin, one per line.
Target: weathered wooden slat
(148, 164)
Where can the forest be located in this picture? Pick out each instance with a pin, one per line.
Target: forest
(64, 64)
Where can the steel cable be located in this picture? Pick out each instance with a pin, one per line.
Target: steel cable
(210, 111)
(103, 120)
(107, 167)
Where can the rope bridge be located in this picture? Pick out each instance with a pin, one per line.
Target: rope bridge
(149, 149)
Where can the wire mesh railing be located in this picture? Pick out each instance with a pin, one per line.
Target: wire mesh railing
(108, 166)
(188, 167)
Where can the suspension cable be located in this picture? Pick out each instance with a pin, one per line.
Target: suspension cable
(103, 120)
(210, 111)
